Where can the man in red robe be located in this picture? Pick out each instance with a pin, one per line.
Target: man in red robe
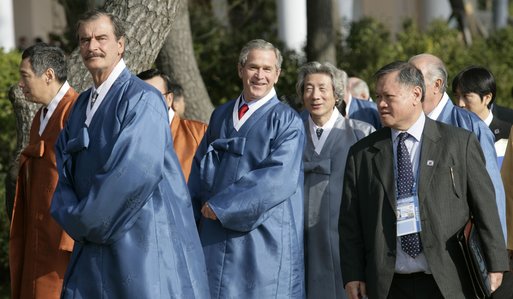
(39, 250)
(187, 134)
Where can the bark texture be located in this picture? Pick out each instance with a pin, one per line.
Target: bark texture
(176, 58)
(322, 25)
(147, 24)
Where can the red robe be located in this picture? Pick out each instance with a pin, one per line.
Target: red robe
(187, 135)
(39, 250)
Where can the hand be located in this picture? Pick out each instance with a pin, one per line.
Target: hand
(356, 290)
(495, 280)
(207, 212)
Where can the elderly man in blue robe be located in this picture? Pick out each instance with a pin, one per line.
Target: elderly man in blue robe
(121, 194)
(438, 106)
(329, 137)
(247, 187)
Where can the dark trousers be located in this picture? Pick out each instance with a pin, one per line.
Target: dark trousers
(414, 286)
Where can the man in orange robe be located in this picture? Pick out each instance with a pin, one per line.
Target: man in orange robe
(187, 134)
(39, 250)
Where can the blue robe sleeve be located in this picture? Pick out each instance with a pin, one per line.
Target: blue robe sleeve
(123, 185)
(242, 206)
(486, 139)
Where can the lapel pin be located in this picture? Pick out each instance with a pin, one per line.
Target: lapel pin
(430, 163)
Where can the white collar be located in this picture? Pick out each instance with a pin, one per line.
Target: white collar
(52, 106)
(253, 106)
(489, 118)
(438, 109)
(170, 114)
(348, 104)
(415, 130)
(326, 129)
(103, 89)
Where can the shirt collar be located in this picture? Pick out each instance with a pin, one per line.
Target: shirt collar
(438, 109)
(105, 86)
(415, 130)
(489, 118)
(57, 98)
(170, 114)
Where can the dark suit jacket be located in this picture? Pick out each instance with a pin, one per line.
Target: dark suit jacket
(367, 216)
(500, 128)
(503, 113)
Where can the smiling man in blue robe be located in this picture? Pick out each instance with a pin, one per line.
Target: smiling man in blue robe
(121, 194)
(247, 187)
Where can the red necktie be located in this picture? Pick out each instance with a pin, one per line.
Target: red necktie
(242, 110)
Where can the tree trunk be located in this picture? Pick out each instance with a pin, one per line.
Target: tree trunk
(147, 24)
(24, 112)
(322, 27)
(176, 58)
(500, 14)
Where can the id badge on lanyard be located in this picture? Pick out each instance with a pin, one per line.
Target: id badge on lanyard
(408, 216)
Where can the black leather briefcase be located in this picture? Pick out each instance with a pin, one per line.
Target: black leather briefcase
(470, 245)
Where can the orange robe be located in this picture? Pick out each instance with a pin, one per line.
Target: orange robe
(187, 135)
(39, 250)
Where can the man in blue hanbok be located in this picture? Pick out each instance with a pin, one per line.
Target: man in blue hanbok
(438, 106)
(121, 194)
(247, 187)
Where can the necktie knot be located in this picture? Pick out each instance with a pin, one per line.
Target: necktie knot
(403, 136)
(243, 109)
(319, 131)
(94, 96)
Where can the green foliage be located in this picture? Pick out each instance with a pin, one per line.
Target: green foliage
(8, 77)
(217, 46)
(370, 46)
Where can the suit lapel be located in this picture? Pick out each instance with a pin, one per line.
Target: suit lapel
(384, 164)
(429, 156)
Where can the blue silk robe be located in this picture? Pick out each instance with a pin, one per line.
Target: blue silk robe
(122, 197)
(364, 110)
(324, 173)
(253, 181)
(462, 118)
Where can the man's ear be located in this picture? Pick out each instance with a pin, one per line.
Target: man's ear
(417, 94)
(487, 98)
(170, 97)
(438, 84)
(239, 70)
(121, 45)
(50, 75)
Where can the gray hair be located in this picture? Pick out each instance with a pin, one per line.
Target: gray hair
(117, 23)
(43, 57)
(262, 45)
(408, 75)
(360, 87)
(338, 78)
(435, 69)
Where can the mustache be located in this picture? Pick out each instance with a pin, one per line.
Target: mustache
(93, 55)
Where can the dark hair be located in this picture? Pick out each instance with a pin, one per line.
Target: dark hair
(171, 87)
(475, 79)
(42, 57)
(117, 23)
(408, 75)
